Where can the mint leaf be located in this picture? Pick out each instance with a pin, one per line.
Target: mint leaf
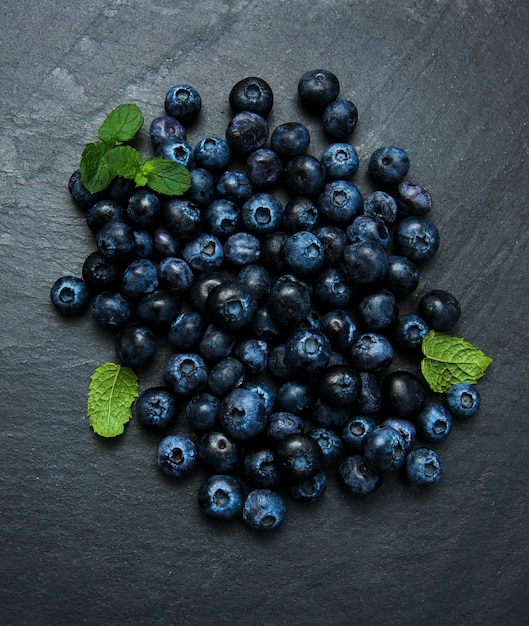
(449, 360)
(112, 390)
(164, 176)
(96, 173)
(121, 125)
(125, 161)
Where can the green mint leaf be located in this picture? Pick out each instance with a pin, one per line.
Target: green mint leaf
(449, 360)
(166, 177)
(121, 125)
(96, 173)
(125, 161)
(112, 390)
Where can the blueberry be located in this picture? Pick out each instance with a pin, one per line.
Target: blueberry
(331, 289)
(295, 396)
(175, 274)
(303, 253)
(203, 284)
(304, 175)
(102, 213)
(265, 391)
(212, 153)
(143, 208)
(100, 274)
(308, 352)
(339, 118)
(463, 400)
(80, 194)
(204, 253)
(380, 204)
(202, 189)
(158, 308)
(183, 102)
(309, 489)
(416, 238)
(378, 310)
(340, 161)
(439, 309)
(221, 497)
(186, 331)
(156, 408)
(388, 166)
(111, 309)
(242, 414)
(405, 428)
(369, 395)
(219, 452)
(402, 276)
(339, 328)
(298, 457)
(166, 127)
(253, 353)
(257, 279)
(368, 228)
(263, 510)
(234, 186)
(252, 94)
(264, 167)
(372, 352)
(242, 248)
(176, 150)
(288, 302)
(423, 467)
(186, 374)
(222, 218)
(434, 422)
(327, 415)
(334, 240)
(409, 331)
(231, 306)
(290, 139)
(385, 449)
(120, 190)
(143, 244)
(135, 345)
(338, 385)
(402, 394)
(264, 326)
(318, 88)
(115, 241)
(70, 295)
(283, 423)
(339, 201)
(225, 375)
(272, 251)
(358, 475)
(278, 365)
(166, 243)
(355, 430)
(215, 344)
(177, 456)
(364, 264)
(262, 213)
(140, 277)
(330, 444)
(246, 132)
(201, 411)
(260, 468)
(413, 199)
(300, 213)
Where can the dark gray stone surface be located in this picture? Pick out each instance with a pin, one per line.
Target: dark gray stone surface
(91, 532)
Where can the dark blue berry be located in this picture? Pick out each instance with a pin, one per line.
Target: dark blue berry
(176, 150)
(215, 344)
(405, 428)
(234, 186)
(166, 243)
(70, 295)
(298, 457)
(265, 391)
(378, 310)
(309, 489)
(364, 264)
(355, 430)
(260, 468)
(186, 374)
(201, 411)
(340, 161)
(175, 274)
(115, 241)
(264, 167)
(288, 302)
(330, 444)
(300, 213)
(272, 252)
(203, 284)
(156, 408)
(434, 422)
(339, 201)
(327, 415)
(225, 375)
(369, 395)
(388, 166)
(222, 218)
(231, 305)
(416, 238)
(339, 328)
(439, 309)
(308, 352)
(385, 449)
(140, 277)
(242, 414)
(318, 88)
(202, 189)
(204, 253)
(143, 244)
(463, 400)
(143, 208)
(177, 456)
(263, 510)
(339, 118)
(242, 248)
(252, 94)
(372, 352)
(253, 353)
(413, 199)
(423, 467)
(102, 213)
(221, 497)
(158, 308)
(295, 396)
(166, 127)
(304, 175)
(380, 204)
(135, 345)
(408, 332)
(358, 475)
(257, 279)
(303, 253)
(111, 309)
(212, 153)
(402, 276)
(262, 213)
(283, 423)
(183, 102)
(334, 240)
(331, 289)
(402, 394)
(80, 194)
(100, 274)
(220, 453)
(290, 139)
(338, 385)
(246, 132)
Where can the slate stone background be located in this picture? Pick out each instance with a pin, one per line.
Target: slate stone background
(91, 533)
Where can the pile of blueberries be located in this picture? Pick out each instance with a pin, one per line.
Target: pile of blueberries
(283, 316)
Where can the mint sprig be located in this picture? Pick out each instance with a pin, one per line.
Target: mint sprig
(102, 161)
(449, 360)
